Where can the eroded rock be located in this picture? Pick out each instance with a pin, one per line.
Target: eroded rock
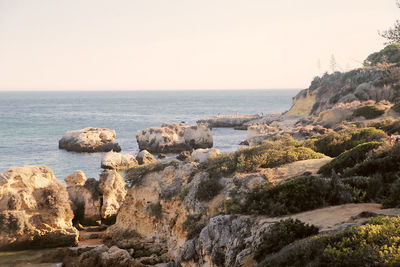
(118, 161)
(34, 210)
(144, 157)
(203, 155)
(89, 140)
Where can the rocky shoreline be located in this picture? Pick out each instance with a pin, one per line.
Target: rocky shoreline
(310, 180)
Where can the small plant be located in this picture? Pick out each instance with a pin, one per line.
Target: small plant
(193, 225)
(396, 107)
(155, 210)
(281, 234)
(208, 189)
(135, 175)
(232, 205)
(368, 112)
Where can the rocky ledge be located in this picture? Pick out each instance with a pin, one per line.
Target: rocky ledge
(34, 210)
(174, 138)
(229, 120)
(118, 161)
(89, 140)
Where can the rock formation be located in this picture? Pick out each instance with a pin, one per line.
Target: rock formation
(203, 154)
(118, 161)
(89, 140)
(229, 120)
(34, 210)
(144, 157)
(174, 138)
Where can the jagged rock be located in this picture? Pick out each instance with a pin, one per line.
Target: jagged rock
(112, 188)
(118, 161)
(162, 156)
(85, 201)
(203, 155)
(229, 120)
(75, 178)
(144, 157)
(89, 140)
(174, 138)
(34, 210)
(184, 155)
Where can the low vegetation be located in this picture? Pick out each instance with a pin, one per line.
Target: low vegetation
(368, 112)
(134, 176)
(300, 194)
(335, 143)
(281, 234)
(208, 189)
(193, 225)
(155, 210)
(374, 244)
(349, 158)
(269, 154)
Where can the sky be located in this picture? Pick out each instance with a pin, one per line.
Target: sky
(183, 44)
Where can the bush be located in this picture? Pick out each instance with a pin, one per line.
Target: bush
(208, 189)
(396, 107)
(335, 143)
(155, 210)
(269, 154)
(349, 158)
(390, 126)
(389, 54)
(297, 195)
(193, 224)
(368, 112)
(134, 176)
(373, 244)
(281, 234)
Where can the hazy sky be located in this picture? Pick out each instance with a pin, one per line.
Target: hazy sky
(183, 44)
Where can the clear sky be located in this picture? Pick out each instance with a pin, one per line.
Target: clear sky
(183, 44)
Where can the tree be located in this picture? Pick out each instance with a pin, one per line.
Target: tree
(333, 64)
(392, 34)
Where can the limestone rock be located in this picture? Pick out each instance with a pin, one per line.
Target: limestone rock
(34, 210)
(144, 157)
(89, 140)
(203, 155)
(184, 155)
(75, 178)
(118, 161)
(112, 187)
(229, 120)
(174, 138)
(85, 202)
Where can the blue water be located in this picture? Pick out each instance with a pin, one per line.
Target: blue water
(31, 123)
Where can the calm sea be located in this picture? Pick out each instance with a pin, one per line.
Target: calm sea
(31, 123)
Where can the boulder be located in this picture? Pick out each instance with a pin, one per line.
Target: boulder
(183, 155)
(112, 188)
(203, 155)
(75, 178)
(118, 161)
(144, 157)
(229, 120)
(34, 210)
(174, 138)
(89, 140)
(85, 201)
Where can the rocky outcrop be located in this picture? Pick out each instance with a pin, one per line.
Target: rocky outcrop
(89, 140)
(76, 178)
(112, 188)
(202, 155)
(174, 138)
(144, 157)
(34, 210)
(228, 120)
(118, 161)
(85, 200)
(97, 201)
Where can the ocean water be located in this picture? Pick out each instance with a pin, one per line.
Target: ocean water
(31, 123)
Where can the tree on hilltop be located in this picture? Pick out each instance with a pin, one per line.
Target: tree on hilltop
(392, 34)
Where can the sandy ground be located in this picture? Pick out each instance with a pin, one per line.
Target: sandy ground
(294, 169)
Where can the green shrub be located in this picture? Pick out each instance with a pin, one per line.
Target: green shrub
(193, 224)
(390, 126)
(281, 234)
(155, 210)
(208, 189)
(297, 195)
(232, 205)
(349, 158)
(269, 154)
(373, 244)
(134, 176)
(389, 54)
(335, 143)
(396, 107)
(368, 112)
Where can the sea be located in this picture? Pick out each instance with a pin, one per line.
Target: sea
(32, 123)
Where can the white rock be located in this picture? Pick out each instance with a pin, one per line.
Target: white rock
(77, 177)
(112, 187)
(118, 161)
(203, 155)
(144, 157)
